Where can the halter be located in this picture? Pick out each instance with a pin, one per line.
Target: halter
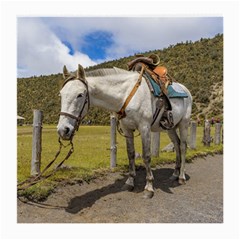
(78, 118)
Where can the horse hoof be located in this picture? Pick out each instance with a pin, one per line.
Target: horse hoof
(173, 178)
(181, 181)
(148, 194)
(127, 187)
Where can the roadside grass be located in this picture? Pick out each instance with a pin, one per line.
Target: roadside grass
(91, 157)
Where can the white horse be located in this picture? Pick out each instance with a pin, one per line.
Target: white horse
(108, 89)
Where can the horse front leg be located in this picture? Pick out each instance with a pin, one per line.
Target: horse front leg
(146, 152)
(129, 184)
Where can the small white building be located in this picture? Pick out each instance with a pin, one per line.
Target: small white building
(20, 120)
(19, 117)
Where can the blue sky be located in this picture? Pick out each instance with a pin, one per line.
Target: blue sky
(96, 44)
(45, 44)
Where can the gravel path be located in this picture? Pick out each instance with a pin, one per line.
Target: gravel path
(102, 201)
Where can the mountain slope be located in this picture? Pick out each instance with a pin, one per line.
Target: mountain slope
(198, 65)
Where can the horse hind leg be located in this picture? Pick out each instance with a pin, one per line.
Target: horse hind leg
(183, 129)
(176, 142)
(129, 184)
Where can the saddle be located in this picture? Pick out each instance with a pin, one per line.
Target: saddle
(160, 75)
(161, 71)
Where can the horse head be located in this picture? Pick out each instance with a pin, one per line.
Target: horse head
(74, 102)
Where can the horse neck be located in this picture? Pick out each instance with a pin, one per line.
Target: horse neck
(110, 92)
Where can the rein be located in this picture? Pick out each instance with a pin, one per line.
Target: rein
(34, 180)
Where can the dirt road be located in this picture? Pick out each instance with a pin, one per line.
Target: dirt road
(102, 201)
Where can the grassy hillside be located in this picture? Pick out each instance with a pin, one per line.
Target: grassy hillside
(198, 65)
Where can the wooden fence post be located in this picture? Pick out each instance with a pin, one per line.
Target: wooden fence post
(113, 149)
(36, 142)
(193, 135)
(217, 137)
(207, 133)
(155, 143)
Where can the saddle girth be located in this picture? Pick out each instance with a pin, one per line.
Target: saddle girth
(121, 113)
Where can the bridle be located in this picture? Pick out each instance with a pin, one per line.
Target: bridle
(78, 118)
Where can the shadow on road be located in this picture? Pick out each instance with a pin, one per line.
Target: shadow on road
(161, 181)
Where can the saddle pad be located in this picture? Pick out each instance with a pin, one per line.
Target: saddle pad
(174, 90)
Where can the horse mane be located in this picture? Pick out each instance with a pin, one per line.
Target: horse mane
(106, 71)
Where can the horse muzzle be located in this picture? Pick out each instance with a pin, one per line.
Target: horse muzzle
(65, 132)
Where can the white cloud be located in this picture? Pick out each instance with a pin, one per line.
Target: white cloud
(40, 51)
(156, 33)
(134, 33)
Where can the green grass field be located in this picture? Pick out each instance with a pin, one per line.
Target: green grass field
(91, 156)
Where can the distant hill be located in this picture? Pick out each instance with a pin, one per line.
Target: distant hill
(198, 65)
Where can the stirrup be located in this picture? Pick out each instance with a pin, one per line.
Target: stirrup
(166, 121)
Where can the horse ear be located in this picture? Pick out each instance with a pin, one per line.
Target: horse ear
(81, 73)
(65, 72)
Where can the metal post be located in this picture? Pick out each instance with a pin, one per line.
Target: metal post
(155, 143)
(113, 149)
(36, 142)
(193, 135)
(217, 137)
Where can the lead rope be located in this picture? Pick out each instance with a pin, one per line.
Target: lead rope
(34, 180)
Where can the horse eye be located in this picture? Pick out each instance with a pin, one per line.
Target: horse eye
(79, 95)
